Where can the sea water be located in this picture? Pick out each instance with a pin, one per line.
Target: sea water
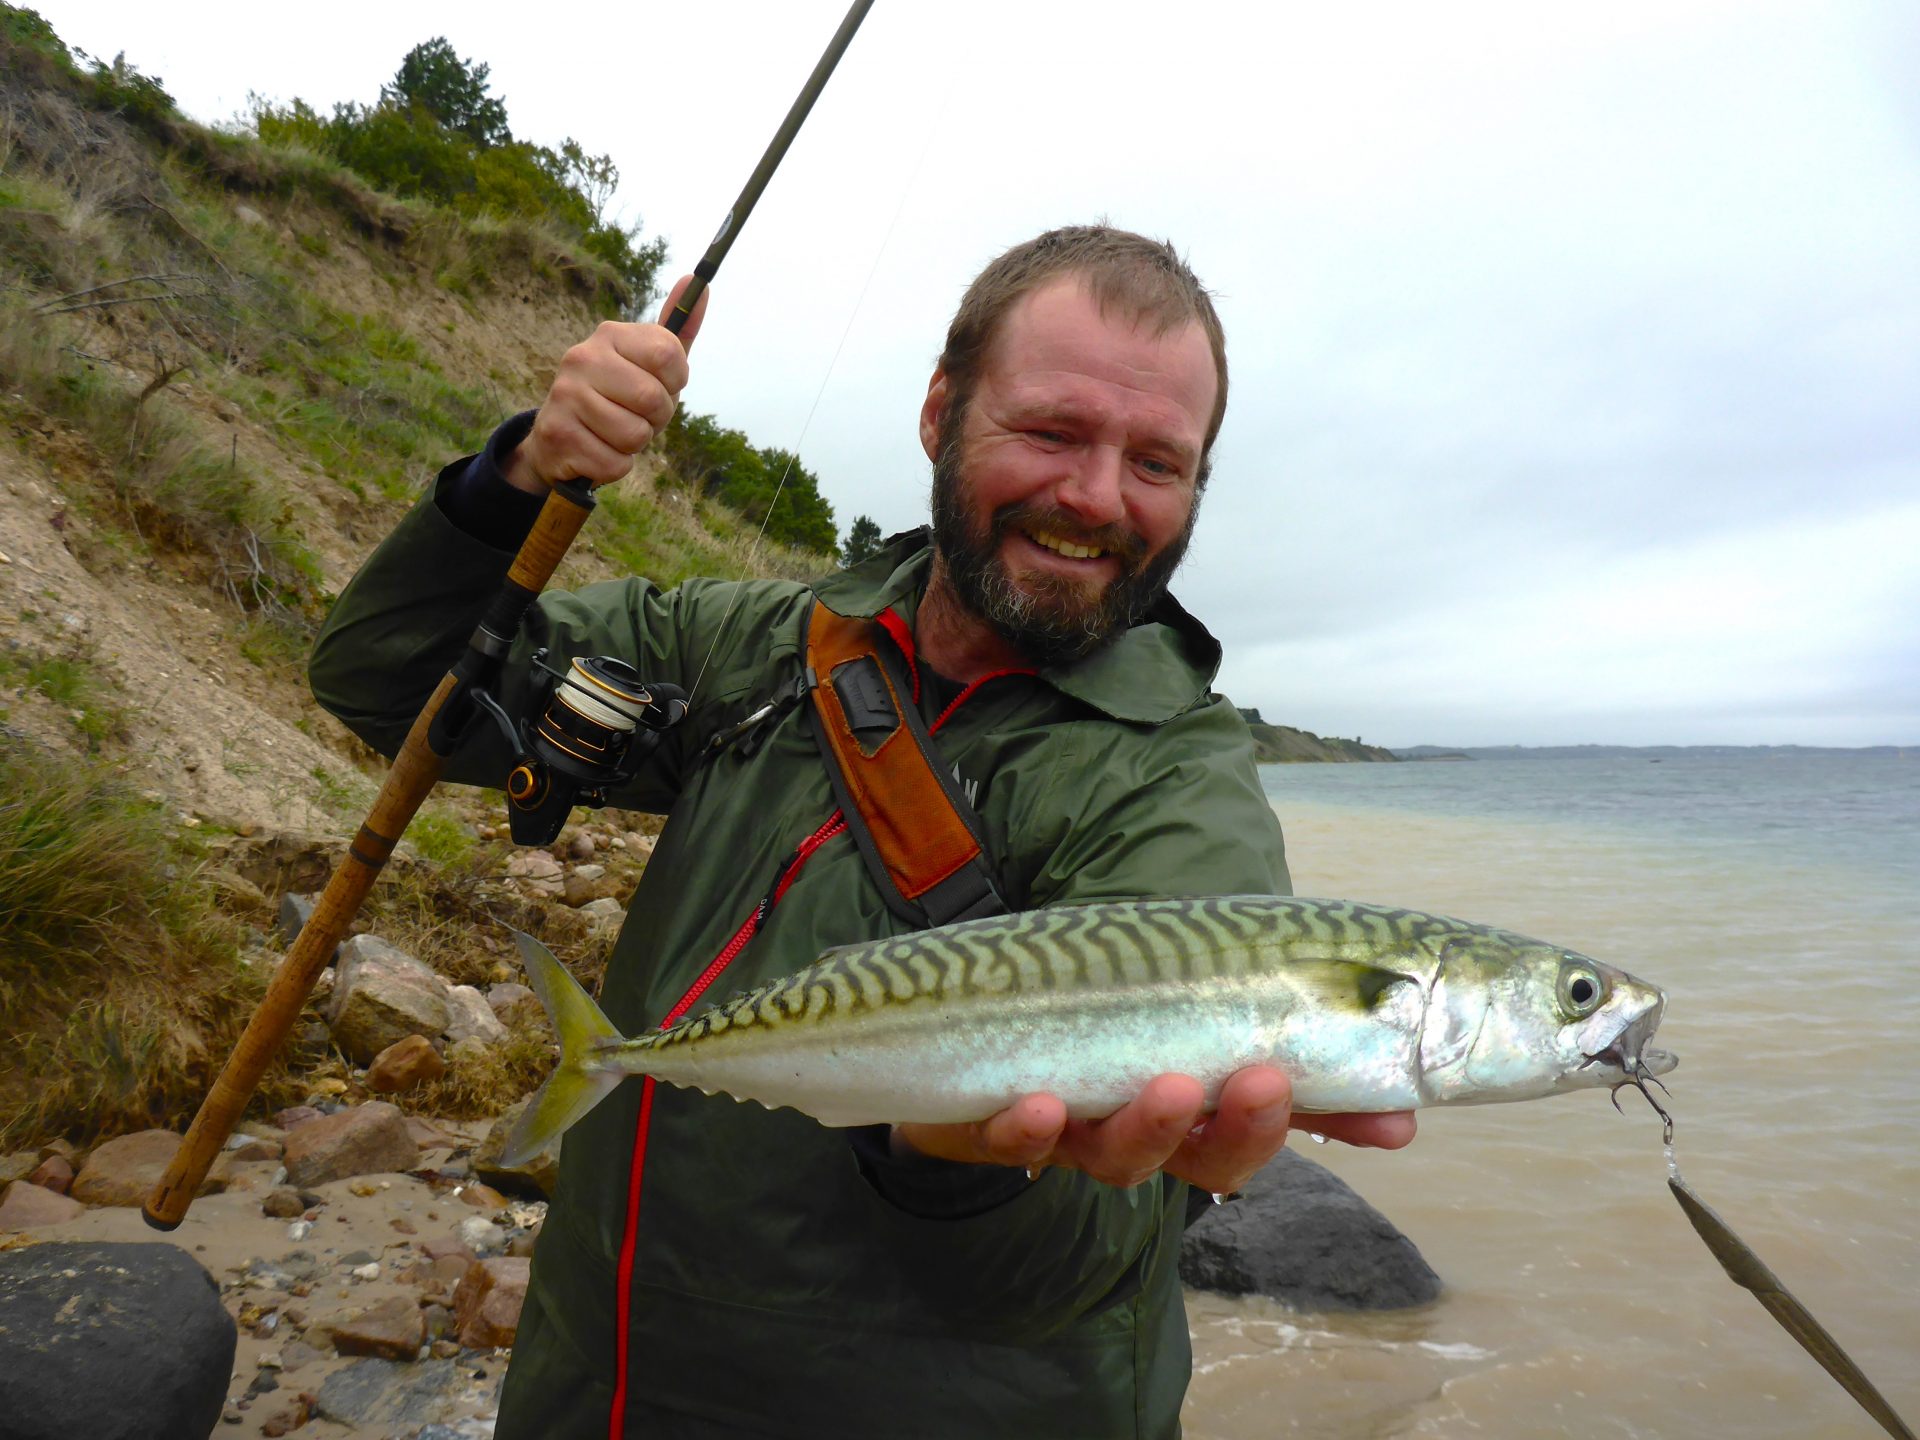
(1777, 901)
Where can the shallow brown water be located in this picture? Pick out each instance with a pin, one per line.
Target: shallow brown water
(1578, 1300)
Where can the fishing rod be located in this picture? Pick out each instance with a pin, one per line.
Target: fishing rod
(445, 719)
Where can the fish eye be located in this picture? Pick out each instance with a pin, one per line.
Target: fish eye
(1582, 990)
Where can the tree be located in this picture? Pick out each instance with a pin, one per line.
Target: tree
(454, 91)
(863, 539)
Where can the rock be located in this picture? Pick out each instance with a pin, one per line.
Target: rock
(283, 1203)
(123, 1171)
(87, 1328)
(487, 1301)
(253, 1147)
(235, 889)
(64, 1149)
(295, 1115)
(289, 1419)
(537, 873)
(580, 847)
(391, 1330)
(482, 1197)
(587, 883)
(429, 1136)
(405, 1064)
(26, 1205)
(383, 994)
(54, 1173)
(386, 1392)
(605, 913)
(533, 865)
(471, 1017)
(17, 1166)
(480, 1235)
(369, 1139)
(1301, 1235)
(295, 911)
(515, 1004)
(537, 1176)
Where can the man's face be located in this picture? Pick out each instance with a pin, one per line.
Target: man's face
(1065, 490)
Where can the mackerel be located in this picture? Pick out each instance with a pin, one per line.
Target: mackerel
(1367, 1008)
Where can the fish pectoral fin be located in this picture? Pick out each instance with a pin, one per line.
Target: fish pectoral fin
(1351, 985)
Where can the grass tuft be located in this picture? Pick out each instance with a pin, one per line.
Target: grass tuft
(122, 983)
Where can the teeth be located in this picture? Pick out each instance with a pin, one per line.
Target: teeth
(1062, 546)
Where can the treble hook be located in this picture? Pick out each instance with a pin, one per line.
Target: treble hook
(1638, 1080)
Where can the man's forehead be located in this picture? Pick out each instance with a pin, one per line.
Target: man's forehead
(1059, 347)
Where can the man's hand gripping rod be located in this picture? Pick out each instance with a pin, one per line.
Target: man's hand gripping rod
(418, 765)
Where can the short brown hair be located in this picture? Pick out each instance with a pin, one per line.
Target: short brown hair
(1145, 280)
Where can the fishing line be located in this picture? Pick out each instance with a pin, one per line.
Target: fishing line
(793, 454)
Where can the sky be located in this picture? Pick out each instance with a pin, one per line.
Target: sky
(1575, 348)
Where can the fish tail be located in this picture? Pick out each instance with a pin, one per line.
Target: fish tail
(580, 1081)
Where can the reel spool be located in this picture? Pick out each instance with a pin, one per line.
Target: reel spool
(600, 720)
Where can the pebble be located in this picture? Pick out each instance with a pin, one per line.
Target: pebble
(299, 1229)
(480, 1235)
(366, 1272)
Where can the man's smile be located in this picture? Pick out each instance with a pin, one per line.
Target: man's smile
(1060, 544)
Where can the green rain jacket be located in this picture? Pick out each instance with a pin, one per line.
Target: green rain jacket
(772, 1289)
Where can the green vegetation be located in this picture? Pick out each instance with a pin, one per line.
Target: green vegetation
(770, 487)
(436, 134)
(122, 983)
(863, 539)
(72, 683)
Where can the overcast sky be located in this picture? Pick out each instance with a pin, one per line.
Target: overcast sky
(1576, 348)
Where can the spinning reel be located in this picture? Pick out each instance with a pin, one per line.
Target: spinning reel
(594, 723)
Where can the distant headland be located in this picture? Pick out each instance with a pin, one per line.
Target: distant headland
(1643, 752)
(1284, 745)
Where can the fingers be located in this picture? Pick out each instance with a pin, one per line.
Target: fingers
(1135, 1142)
(611, 396)
(1387, 1131)
(1246, 1130)
(1024, 1134)
(1164, 1128)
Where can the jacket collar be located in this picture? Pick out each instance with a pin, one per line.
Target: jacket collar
(1161, 668)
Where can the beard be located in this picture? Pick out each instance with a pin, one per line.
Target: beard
(1051, 619)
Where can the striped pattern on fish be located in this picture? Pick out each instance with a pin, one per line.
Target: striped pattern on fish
(1366, 1007)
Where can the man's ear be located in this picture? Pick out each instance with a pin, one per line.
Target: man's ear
(932, 411)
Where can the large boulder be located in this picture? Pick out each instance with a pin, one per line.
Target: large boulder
(369, 1139)
(382, 994)
(1301, 1235)
(113, 1342)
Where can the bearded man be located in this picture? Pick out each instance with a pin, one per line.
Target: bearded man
(710, 1269)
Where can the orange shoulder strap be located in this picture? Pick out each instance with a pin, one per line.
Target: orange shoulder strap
(923, 843)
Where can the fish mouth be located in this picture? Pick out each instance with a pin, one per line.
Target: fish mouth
(1630, 1051)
